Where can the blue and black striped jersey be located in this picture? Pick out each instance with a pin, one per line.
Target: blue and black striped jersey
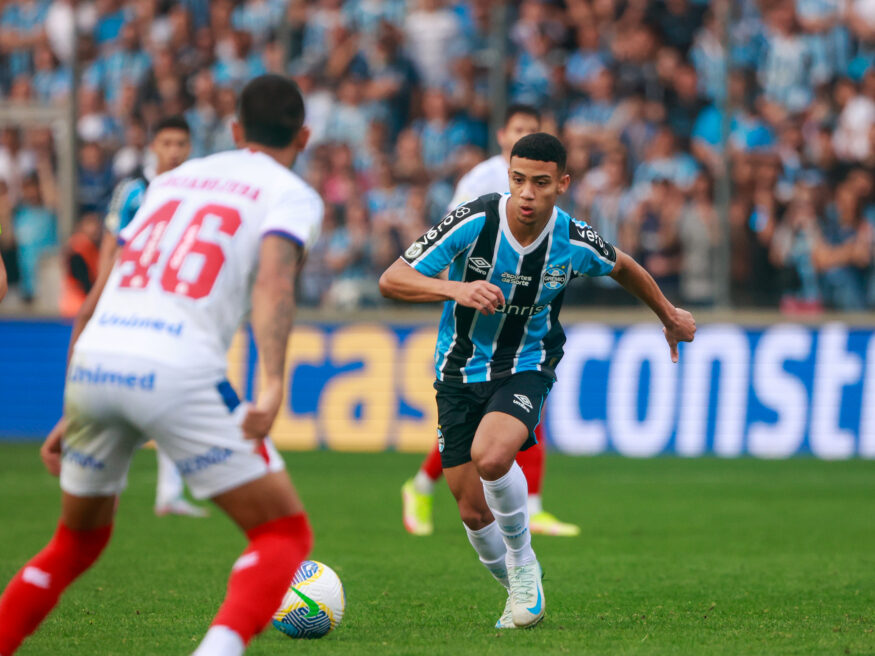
(475, 241)
(126, 200)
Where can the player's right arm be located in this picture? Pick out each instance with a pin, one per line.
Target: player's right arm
(273, 309)
(404, 283)
(414, 276)
(117, 218)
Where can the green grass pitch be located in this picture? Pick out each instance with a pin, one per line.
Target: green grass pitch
(677, 557)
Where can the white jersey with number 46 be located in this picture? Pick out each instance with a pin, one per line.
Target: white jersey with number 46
(184, 275)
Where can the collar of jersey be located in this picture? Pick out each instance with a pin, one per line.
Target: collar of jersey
(505, 228)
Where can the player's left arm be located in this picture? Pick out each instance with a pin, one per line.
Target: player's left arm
(273, 310)
(678, 324)
(50, 451)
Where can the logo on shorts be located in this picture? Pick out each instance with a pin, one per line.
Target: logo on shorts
(440, 440)
(82, 459)
(479, 265)
(555, 277)
(214, 456)
(522, 401)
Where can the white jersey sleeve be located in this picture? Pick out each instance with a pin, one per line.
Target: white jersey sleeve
(297, 215)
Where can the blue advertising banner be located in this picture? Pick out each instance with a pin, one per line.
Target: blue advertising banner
(768, 392)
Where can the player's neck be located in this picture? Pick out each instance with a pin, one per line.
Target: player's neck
(525, 232)
(284, 156)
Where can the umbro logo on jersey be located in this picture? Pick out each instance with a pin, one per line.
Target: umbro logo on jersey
(479, 265)
(522, 401)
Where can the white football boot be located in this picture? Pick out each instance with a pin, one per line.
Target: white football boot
(526, 594)
(506, 619)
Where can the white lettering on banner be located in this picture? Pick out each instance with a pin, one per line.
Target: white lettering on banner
(568, 430)
(867, 412)
(728, 345)
(630, 436)
(780, 391)
(834, 369)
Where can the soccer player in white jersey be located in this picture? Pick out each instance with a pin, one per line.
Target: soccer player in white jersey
(417, 493)
(214, 238)
(171, 144)
(500, 339)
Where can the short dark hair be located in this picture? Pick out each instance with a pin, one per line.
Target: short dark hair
(520, 108)
(271, 110)
(174, 122)
(541, 147)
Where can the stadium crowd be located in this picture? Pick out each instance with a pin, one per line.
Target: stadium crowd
(398, 101)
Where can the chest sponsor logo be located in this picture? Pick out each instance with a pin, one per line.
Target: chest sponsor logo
(555, 277)
(516, 279)
(480, 265)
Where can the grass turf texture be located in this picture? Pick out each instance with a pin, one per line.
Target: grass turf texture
(676, 557)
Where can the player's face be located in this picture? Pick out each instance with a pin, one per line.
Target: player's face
(171, 148)
(534, 187)
(517, 127)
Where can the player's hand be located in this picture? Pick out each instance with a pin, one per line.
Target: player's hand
(679, 327)
(480, 295)
(50, 451)
(260, 416)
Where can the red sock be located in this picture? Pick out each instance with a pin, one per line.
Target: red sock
(432, 464)
(262, 574)
(532, 462)
(36, 588)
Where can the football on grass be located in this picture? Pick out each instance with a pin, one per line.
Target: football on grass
(314, 604)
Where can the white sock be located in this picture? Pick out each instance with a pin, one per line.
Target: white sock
(422, 483)
(506, 498)
(170, 485)
(489, 545)
(220, 641)
(535, 505)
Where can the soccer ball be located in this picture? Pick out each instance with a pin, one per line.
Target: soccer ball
(314, 604)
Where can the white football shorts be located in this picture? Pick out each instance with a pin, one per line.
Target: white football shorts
(114, 404)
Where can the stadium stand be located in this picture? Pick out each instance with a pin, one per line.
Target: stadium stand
(398, 100)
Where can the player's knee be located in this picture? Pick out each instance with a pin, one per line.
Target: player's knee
(475, 516)
(491, 465)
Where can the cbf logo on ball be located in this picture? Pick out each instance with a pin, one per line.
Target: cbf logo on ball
(555, 277)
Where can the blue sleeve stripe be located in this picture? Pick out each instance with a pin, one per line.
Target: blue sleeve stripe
(286, 235)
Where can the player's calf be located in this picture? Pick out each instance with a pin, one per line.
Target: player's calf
(259, 579)
(36, 588)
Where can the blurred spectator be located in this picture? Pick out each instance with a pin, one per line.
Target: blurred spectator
(844, 252)
(35, 227)
(95, 179)
(436, 31)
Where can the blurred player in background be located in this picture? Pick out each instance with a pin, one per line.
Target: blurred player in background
(171, 144)
(417, 493)
(500, 340)
(212, 238)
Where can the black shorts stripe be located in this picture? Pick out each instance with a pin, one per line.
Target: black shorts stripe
(463, 347)
(514, 327)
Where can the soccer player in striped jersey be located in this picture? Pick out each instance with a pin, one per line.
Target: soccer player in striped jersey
(509, 258)
(171, 144)
(417, 493)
